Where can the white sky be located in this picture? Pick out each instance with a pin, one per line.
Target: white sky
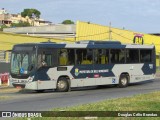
(136, 15)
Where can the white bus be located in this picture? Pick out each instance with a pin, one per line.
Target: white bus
(42, 66)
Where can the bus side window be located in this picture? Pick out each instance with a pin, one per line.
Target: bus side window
(71, 56)
(132, 55)
(84, 56)
(66, 57)
(96, 56)
(78, 56)
(113, 56)
(117, 56)
(101, 56)
(63, 57)
(107, 57)
(122, 56)
(48, 59)
(145, 55)
(44, 59)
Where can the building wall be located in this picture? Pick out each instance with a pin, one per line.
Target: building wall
(59, 31)
(7, 40)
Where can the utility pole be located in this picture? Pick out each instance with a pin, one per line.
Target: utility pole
(110, 32)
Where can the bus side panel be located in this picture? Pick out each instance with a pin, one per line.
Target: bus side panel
(83, 82)
(46, 85)
(106, 80)
(78, 75)
(93, 81)
(83, 75)
(148, 70)
(56, 72)
(137, 72)
(77, 82)
(31, 85)
(103, 74)
(82, 71)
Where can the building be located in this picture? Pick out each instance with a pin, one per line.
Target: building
(7, 18)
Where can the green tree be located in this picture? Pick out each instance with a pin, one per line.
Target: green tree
(31, 13)
(67, 22)
(2, 26)
(20, 24)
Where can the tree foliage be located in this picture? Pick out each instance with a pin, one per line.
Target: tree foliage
(2, 26)
(31, 13)
(67, 22)
(20, 24)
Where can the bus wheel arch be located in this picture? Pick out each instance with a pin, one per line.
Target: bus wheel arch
(124, 80)
(63, 84)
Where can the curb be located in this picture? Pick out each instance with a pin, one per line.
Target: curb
(5, 87)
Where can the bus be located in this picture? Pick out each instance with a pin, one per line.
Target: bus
(62, 66)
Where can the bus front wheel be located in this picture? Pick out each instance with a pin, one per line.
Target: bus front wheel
(123, 81)
(62, 85)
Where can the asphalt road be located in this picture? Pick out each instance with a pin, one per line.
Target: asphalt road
(32, 101)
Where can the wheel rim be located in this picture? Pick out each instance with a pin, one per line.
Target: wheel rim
(124, 81)
(61, 84)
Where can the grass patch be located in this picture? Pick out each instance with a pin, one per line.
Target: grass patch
(6, 90)
(4, 97)
(143, 102)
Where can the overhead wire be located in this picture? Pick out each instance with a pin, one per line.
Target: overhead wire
(131, 39)
(93, 34)
(122, 36)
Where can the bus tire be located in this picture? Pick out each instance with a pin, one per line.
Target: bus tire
(123, 81)
(62, 85)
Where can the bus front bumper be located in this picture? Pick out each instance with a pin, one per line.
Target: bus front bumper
(18, 85)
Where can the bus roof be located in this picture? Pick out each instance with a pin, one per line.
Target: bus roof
(87, 44)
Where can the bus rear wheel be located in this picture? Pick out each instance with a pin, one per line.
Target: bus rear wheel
(62, 85)
(123, 81)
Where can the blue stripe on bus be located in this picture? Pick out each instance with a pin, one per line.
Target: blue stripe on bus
(148, 68)
(92, 71)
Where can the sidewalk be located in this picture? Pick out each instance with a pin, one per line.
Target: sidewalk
(157, 74)
(5, 86)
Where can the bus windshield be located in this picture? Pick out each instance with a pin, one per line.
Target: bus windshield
(22, 63)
